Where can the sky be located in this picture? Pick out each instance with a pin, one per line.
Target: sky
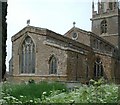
(56, 15)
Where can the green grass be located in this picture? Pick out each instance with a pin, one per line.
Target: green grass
(33, 90)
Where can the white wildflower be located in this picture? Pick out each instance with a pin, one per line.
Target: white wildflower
(31, 100)
(44, 93)
(21, 96)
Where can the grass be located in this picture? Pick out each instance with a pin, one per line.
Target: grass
(32, 90)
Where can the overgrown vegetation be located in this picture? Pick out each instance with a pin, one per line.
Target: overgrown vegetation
(44, 92)
(31, 90)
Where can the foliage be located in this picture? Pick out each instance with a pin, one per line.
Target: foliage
(96, 92)
(31, 81)
(31, 90)
(85, 94)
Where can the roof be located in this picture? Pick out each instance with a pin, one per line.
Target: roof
(49, 33)
(89, 33)
(75, 28)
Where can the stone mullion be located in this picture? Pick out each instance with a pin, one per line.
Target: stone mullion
(23, 60)
(29, 70)
(26, 60)
(30, 59)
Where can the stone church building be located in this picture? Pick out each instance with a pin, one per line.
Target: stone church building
(78, 55)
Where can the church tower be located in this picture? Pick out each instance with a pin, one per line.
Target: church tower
(106, 20)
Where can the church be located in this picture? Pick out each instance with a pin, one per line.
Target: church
(78, 55)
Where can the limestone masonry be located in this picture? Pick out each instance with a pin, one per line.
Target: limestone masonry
(78, 55)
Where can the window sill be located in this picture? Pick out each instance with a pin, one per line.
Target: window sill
(27, 74)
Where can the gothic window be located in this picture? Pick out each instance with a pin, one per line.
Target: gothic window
(98, 68)
(27, 57)
(104, 26)
(53, 65)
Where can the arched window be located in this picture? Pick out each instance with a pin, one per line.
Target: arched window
(53, 65)
(111, 5)
(27, 57)
(104, 26)
(98, 68)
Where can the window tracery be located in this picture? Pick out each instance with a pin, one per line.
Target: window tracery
(27, 57)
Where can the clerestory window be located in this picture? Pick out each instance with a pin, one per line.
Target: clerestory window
(27, 57)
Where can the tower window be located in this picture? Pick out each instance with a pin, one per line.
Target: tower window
(27, 56)
(111, 5)
(104, 26)
(53, 65)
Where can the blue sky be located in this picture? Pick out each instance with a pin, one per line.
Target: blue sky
(56, 15)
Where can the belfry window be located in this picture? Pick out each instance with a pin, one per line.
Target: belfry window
(104, 26)
(98, 68)
(111, 5)
(53, 65)
(27, 57)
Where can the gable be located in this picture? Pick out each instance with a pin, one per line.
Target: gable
(31, 29)
(79, 35)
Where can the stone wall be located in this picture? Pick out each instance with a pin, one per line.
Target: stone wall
(75, 61)
(45, 47)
